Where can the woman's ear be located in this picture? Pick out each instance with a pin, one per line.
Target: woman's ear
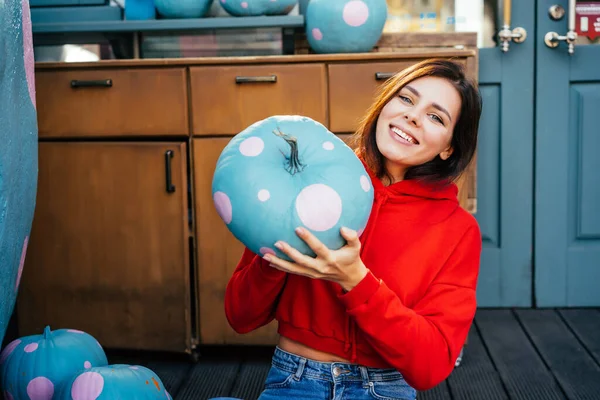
(444, 155)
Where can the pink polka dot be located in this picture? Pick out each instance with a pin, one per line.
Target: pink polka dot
(28, 51)
(328, 146)
(223, 206)
(21, 262)
(252, 146)
(317, 34)
(319, 207)
(244, 4)
(8, 396)
(75, 331)
(134, 367)
(9, 349)
(87, 365)
(40, 388)
(31, 347)
(223, 1)
(364, 183)
(267, 250)
(87, 386)
(356, 13)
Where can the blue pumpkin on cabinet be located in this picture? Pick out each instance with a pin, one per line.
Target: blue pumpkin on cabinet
(239, 8)
(285, 172)
(182, 8)
(33, 367)
(111, 382)
(344, 26)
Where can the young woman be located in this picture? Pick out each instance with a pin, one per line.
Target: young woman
(387, 314)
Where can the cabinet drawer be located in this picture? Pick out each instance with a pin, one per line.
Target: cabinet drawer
(353, 87)
(228, 99)
(111, 102)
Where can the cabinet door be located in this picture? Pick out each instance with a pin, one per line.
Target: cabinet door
(109, 245)
(218, 254)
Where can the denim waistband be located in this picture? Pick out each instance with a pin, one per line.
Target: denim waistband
(331, 371)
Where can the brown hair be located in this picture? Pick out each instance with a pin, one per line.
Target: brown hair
(464, 136)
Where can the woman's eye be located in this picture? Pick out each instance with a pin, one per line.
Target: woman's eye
(437, 118)
(405, 99)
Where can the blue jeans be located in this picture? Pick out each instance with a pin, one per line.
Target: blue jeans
(294, 377)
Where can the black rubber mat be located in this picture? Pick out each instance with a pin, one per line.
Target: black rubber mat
(476, 378)
(585, 323)
(523, 373)
(574, 368)
(440, 392)
(250, 380)
(171, 373)
(209, 378)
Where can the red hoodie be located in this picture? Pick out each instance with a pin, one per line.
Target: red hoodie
(412, 311)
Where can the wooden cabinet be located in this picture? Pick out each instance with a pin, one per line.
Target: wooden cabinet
(109, 245)
(115, 253)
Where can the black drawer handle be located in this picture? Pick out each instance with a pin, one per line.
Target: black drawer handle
(168, 157)
(93, 83)
(383, 76)
(256, 79)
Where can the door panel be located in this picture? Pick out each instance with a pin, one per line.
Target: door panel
(567, 194)
(505, 168)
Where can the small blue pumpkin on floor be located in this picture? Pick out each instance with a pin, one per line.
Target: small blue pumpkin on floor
(344, 26)
(240, 8)
(33, 367)
(116, 381)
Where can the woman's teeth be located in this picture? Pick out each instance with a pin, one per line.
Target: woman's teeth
(404, 136)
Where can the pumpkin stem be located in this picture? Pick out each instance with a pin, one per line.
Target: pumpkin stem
(47, 332)
(293, 161)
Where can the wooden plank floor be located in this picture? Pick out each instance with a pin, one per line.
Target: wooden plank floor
(512, 354)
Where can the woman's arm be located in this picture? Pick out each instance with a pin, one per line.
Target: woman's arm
(423, 342)
(252, 292)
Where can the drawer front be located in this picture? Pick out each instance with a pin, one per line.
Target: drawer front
(353, 88)
(107, 102)
(228, 99)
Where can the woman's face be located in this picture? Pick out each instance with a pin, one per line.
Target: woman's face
(416, 125)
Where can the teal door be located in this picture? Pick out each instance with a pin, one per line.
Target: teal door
(505, 159)
(567, 164)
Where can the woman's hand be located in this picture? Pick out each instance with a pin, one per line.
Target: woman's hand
(343, 266)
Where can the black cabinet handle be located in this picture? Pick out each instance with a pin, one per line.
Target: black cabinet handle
(383, 76)
(168, 157)
(256, 79)
(92, 83)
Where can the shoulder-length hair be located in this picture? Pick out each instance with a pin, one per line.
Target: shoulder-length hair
(464, 137)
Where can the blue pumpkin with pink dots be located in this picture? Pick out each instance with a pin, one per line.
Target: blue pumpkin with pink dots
(34, 367)
(285, 172)
(18, 151)
(344, 26)
(116, 381)
(240, 8)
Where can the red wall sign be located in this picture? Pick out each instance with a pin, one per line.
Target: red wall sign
(587, 19)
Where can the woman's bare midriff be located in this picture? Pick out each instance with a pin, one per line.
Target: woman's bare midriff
(302, 350)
